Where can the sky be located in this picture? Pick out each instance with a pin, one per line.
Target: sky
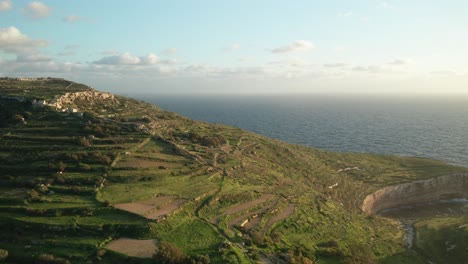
(242, 46)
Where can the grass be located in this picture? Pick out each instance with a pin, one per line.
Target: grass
(443, 239)
(191, 234)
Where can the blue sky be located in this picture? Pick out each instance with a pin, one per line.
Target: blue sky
(362, 46)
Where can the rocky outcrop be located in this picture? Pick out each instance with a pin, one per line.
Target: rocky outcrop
(422, 191)
(90, 96)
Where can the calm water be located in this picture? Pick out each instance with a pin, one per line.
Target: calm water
(435, 127)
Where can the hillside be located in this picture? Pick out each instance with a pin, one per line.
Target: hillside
(94, 177)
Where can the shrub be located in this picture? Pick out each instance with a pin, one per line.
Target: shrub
(76, 189)
(17, 118)
(202, 259)
(168, 253)
(212, 141)
(42, 189)
(33, 196)
(3, 254)
(359, 254)
(50, 259)
(61, 166)
(81, 141)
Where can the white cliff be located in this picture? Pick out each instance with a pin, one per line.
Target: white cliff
(422, 191)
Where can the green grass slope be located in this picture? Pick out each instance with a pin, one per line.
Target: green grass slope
(225, 194)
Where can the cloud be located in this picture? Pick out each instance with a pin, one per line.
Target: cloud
(170, 51)
(298, 45)
(128, 59)
(335, 65)
(400, 62)
(33, 58)
(170, 62)
(369, 69)
(5, 5)
(232, 47)
(149, 59)
(385, 5)
(36, 10)
(71, 47)
(72, 18)
(13, 41)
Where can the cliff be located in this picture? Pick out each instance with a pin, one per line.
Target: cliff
(423, 191)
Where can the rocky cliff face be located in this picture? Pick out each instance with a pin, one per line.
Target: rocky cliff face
(423, 191)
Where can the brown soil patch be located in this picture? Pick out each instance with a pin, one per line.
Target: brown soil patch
(157, 201)
(136, 208)
(240, 207)
(265, 208)
(172, 206)
(237, 208)
(152, 208)
(252, 223)
(133, 247)
(287, 212)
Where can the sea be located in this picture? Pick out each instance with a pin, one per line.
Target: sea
(432, 126)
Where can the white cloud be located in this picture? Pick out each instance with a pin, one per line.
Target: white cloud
(385, 5)
(149, 59)
(36, 10)
(13, 41)
(370, 69)
(128, 59)
(298, 45)
(400, 62)
(33, 58)
(170, 51)
(72, 18)
(171, 62)
(5, 5)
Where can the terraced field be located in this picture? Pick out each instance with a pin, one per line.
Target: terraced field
(101, 185)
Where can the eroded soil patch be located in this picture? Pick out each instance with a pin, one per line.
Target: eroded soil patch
(133, 247)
